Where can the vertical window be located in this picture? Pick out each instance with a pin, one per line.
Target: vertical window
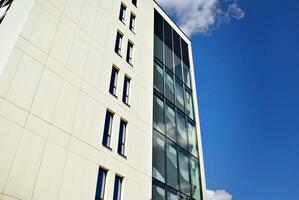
(113, 81)
(195, 179)
(126, 90)
(184, 173)
(159, 78)
(107, 129)
(185, 52)
(132, 22)
(187, 78)
(100, 191)
(158, 191)
(158, 38)
(171, 165)
(168, 58)
(189, 104)
(118, 43)
(177, 55)
(158, 157)
(134, 2)
(170, 121)
(169, 86)
(117, 188)
(182, 132)
(122, 13)
(193, 149)
(122, 137)
(179, 95)
(159, 114)
(129, 52)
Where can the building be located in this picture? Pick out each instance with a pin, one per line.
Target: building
(97, 101)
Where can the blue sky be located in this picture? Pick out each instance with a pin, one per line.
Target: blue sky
(247, 76)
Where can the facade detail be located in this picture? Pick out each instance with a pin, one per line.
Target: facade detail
(97, 101)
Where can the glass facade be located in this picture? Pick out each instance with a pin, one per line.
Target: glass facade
(176, 173)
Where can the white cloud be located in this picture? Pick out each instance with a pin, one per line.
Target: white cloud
(201, 16)
(218, 195)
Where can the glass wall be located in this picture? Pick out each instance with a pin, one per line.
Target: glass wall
(176, 173)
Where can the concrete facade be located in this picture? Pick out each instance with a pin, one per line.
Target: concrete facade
(55, 62)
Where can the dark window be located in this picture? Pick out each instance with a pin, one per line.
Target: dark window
(178, 67)
(168, 59)
(184, 173)
(122, 13)
(4, 6)
(118, 43)
(185, 52)
(134, 2)
(158, 25)
(113, 81)
(187, 77)
(158, 38)
(159, 78)
(169, 87)
(181, 130)
(170, 121)
(171, 165)
(126, 90)
(159, 157)
(179, 95)
(130, 52)
(132, 22)
(159, 114)
(122, 137)
(192, 139)
(158, 46)
(117, 188)
(100, 191)
(177, 44)
(107, 129)
(158, 191)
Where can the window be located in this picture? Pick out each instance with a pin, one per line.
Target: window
(179, 95)
(177, 55)
(158, 157)
(117, 188)
(170, 121)
(189, 104)
(195, 179)
(159, 114)
(159, 78)
(118, 43)
(107, 129)
(4, 6)
(134, 2)
(122, 137)
(122, 13)
(129, 52)
(185, 52)
(100, 191)
(172, 194)
(184, 173)
(169, 86)
(193, 149)
(158, 191)
(132, 22)
(182, 132)
(158, 38)
(171, 165)
(126, 90)
(168, 57)
(187, 78)
(113, 81)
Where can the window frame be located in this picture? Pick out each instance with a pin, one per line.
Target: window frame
(132, 23)
(130, 50)
(134, 2)
(126, 90)
(118, 43)
(103, 186)
(120, 180)
(123, 126)
(113, 81)
(122, 13)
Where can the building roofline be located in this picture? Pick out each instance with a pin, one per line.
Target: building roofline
(164, 11)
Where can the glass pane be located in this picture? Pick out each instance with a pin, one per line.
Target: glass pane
(192, 139)
(179, 95)
(100, 184)
(176, 44)
(172, 195)
(159, 114)
(182, 132)
(158, 25)
(168, 57)
(187, 78)
(107, 129)
(189, 104)
(158, 157)
(170, 122)
(185, 52)
(184, 173)
(195, 179)
(121, 139)
(158, 193)
(169, 87)
(178, 67)
(159, 78)
(117, 188)
(171, 166)
(158, 48)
